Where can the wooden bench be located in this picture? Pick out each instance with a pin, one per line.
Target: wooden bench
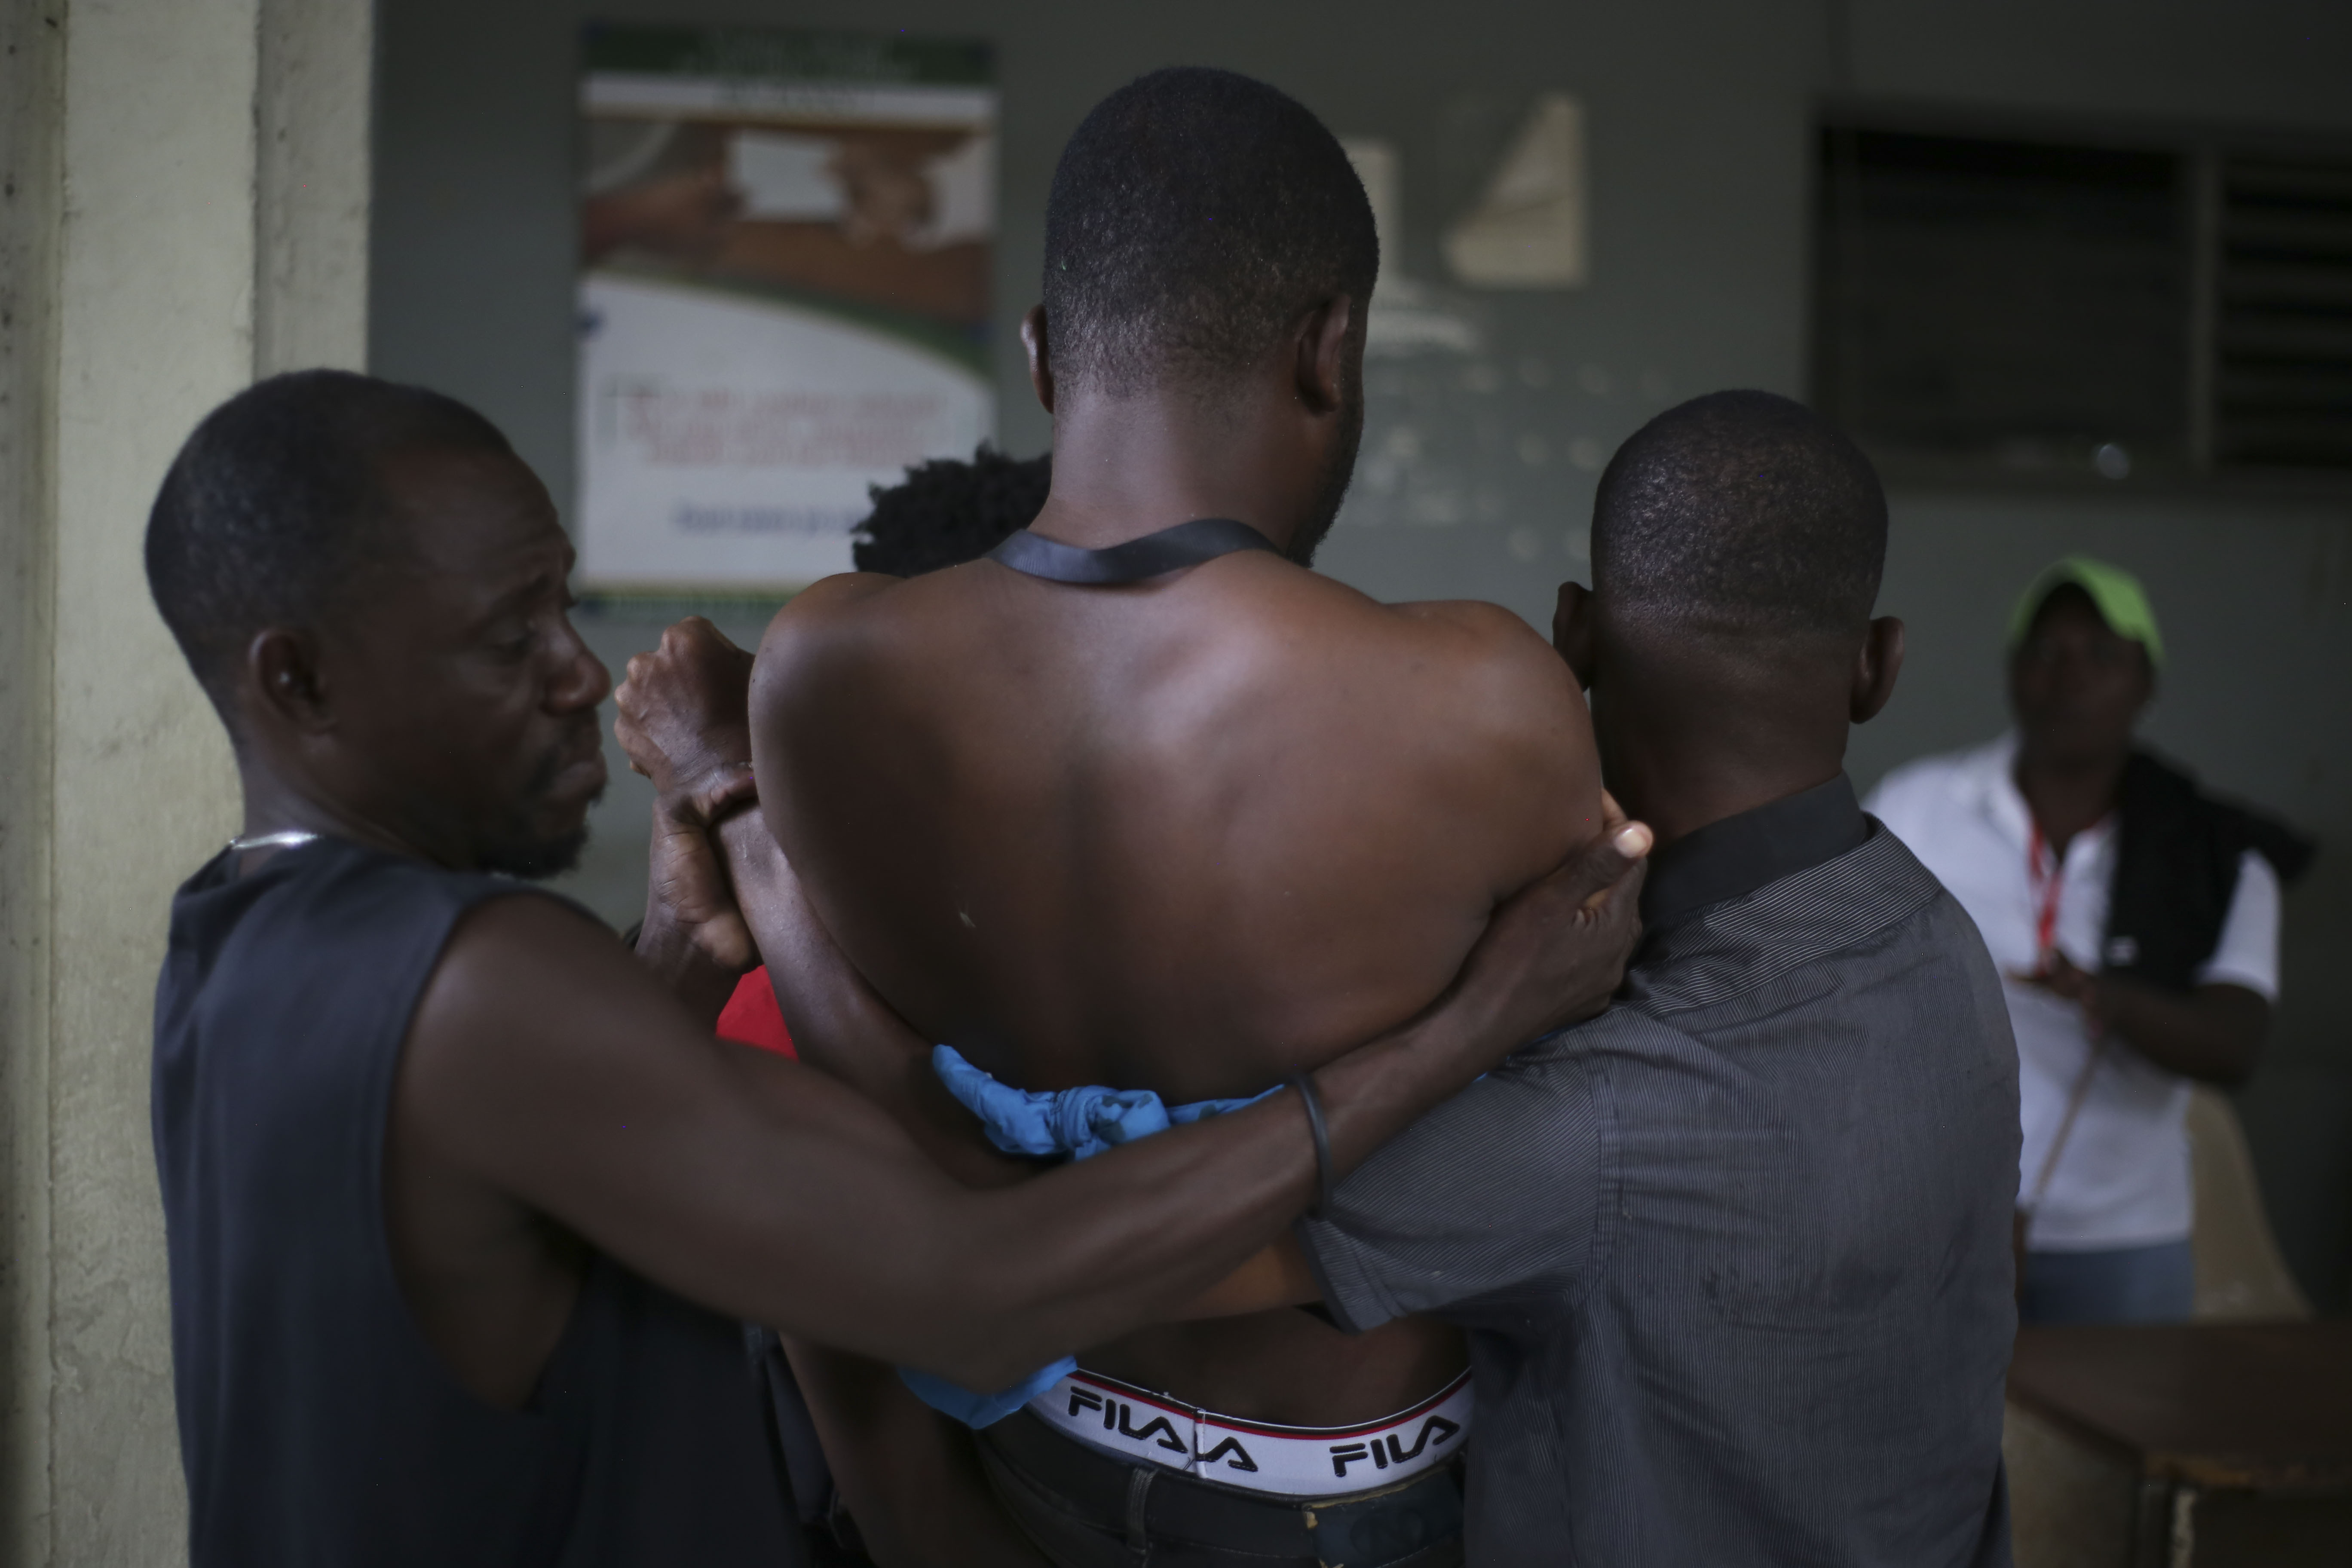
(2195, 1446)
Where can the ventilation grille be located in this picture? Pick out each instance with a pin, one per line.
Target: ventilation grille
(2087, 313)
(2283, 315)
(2014, 304)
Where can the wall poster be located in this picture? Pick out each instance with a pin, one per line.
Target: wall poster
(784, 296)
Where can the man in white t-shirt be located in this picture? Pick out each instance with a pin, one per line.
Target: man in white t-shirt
(2136, 922)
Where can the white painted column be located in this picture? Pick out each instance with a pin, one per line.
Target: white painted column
(202, 222)
(32, 58)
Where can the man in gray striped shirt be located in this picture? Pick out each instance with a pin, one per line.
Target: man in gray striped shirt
(1733, 1256)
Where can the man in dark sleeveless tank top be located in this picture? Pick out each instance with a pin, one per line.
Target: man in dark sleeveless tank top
(463, 1208)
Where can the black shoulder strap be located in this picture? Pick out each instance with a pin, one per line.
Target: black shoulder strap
(1153, 555)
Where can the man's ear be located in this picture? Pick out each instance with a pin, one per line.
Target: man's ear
(285, 679)
(1321, 368)
(1572, 632)
(1874, 670)
(1041, 359)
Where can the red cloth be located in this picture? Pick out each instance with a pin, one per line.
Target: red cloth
(752, 1017)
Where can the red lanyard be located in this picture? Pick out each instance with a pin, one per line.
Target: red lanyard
(2046, 878)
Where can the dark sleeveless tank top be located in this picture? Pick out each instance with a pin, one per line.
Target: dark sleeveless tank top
(316, 1425)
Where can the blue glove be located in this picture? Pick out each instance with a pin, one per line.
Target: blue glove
(1078, 1122)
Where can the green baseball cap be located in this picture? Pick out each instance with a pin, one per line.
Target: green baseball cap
(2122, 602)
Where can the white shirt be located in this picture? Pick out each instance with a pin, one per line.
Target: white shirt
(2122, 1178)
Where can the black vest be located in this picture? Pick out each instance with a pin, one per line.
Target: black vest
(2177, 854)
(316, 1427)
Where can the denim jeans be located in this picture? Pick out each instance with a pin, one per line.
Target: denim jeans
(2119, 1285)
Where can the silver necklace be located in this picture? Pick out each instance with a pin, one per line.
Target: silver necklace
(285, 838)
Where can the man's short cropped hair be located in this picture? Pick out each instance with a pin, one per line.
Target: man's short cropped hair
(278, 499)
(1194, 217)
(1742, 512)
(948, 511)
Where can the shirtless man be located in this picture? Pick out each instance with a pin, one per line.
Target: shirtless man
(1194, 831)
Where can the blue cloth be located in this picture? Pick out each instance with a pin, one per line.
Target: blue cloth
(1076, 1123)
(2113, 1285)
(1079, 1122)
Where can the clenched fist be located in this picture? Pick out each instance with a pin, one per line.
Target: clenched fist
(685, 718)
(685, 724)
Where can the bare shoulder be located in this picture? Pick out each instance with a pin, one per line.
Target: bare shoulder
(1489, 643)
(1466, 675)
(537, 1028)
(529, 924)
(1515, 702)
(828, 604)
(515, 973)
(1491, 678)
(540, 1033)
(1483, 713)
(815, 624)
(1526, 757)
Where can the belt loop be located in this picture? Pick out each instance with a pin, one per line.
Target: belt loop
(1139, 1493)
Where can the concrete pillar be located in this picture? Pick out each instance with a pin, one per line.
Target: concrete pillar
(185, 209)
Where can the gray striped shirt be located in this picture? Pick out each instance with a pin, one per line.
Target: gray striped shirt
(1734, 1256)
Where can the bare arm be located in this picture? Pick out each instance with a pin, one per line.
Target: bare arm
(2213, 1034)
(839, 1025)
(763, 1188)
(1278, 1275)
(685, 723)
(911, 1475)
(1275, 1276)
(694, 938)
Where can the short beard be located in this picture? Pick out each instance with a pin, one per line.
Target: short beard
(1337, 477)
(535, 859)
(514, 851)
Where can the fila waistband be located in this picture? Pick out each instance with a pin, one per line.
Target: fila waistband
(1286, 1462)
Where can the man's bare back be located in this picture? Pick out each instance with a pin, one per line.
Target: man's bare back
(1192, 835)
